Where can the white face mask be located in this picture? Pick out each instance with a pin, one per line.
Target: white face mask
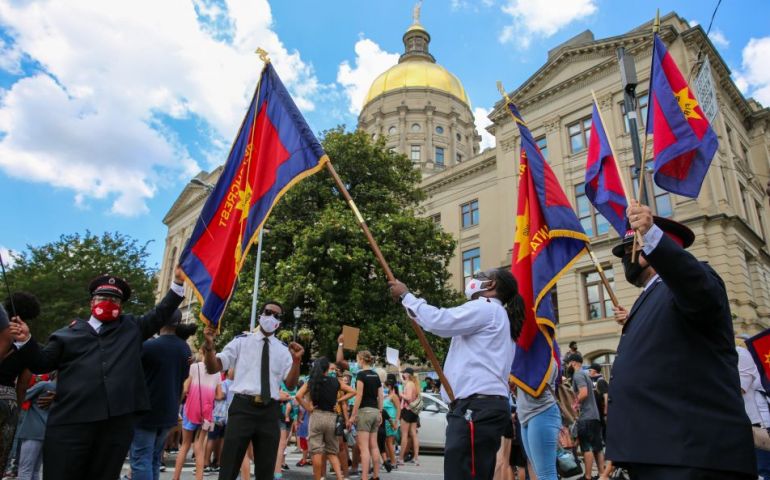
(474, 286)
(269, 323)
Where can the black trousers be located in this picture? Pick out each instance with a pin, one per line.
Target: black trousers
(246, 423)
(668, 472)
(94, 450)
(460, 457)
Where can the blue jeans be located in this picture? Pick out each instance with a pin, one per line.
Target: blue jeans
(146, 450)
(763, 464)
(539, 437)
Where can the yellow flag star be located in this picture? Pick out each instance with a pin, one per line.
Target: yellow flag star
(244, 198)
(767, 358)
(687, 103)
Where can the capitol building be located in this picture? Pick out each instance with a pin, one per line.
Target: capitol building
(422, 111)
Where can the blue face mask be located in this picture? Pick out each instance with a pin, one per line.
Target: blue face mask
(385, 390)
(332, 374)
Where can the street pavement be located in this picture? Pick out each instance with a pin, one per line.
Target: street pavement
(431, 467)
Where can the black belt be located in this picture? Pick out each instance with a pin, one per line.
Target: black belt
(255, 399)
(477, 396)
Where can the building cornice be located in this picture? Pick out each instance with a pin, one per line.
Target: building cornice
(457, 173)
(637, 43)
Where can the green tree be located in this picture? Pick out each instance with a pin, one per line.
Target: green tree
(316, 257)
(58, 273)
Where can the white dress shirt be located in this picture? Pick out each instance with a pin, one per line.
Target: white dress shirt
(481, 352)
(244, 352)
(754, 400)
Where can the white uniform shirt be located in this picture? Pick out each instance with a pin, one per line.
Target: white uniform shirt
(753, 399)
(481, 352)
(245, 353)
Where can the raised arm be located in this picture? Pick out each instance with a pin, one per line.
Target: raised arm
(151, 322)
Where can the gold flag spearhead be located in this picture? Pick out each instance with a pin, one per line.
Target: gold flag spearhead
(262, 55)
(656, 23)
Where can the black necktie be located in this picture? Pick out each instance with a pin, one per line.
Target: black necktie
(265, 373)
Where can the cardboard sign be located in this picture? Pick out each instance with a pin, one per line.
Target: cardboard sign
(392, 356)
(350, 337)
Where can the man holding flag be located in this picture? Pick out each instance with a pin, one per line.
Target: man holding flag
(675, 409)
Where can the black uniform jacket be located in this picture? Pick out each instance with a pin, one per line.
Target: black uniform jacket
(675, 396)
(100, 375)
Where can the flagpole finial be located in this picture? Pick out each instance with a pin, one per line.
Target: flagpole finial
(262, 55)
(503, 92)
(656, 23)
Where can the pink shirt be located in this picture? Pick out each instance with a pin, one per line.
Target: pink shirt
(200, 396)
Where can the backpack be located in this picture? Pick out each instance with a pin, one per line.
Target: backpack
(598, 396)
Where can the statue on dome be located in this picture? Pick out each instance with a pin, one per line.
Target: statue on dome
(416, 12)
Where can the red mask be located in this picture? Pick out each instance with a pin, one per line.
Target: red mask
(105, 311)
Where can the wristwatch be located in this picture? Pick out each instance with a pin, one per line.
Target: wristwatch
(401, 297)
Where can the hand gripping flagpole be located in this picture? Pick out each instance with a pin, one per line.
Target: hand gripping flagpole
(637, 236)
(384, 264)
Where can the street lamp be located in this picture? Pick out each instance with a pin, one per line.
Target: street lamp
(297, 314)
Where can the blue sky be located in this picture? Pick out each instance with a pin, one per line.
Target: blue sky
(108, 108)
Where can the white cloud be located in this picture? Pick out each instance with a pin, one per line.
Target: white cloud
(94, 117)
(8, 256)
(718, 38)
(754, 77)
(370, 61)
(480, 115)
(10, 58)
(541, 19)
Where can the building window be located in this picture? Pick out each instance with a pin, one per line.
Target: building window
(598, 301)
(760, 220)
(392, 150)
(440, 130)
(470, 213)
(471, 263)
(435, 218)
(439, 156)
(459, 137)
(591, 220)
(459, 158)
(643, 105)
(415, 153)
(661, 199)
(543, 146)
(392, 130)
(579, 135)
(729, 135)
(745, 199)
(415, 127)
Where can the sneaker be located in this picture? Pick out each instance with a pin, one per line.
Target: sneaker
(388, 466)
(162, 467)
(284, 467)
(301, 463)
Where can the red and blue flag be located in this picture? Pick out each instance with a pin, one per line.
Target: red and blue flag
(603, 186)
(683, 141)
(274, 149)
(548, 241)
(759, 347)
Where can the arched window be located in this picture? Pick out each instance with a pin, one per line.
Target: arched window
(415, 127)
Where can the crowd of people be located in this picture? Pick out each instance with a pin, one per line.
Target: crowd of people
(682, 401)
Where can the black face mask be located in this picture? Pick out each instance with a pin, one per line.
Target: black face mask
(633, 270)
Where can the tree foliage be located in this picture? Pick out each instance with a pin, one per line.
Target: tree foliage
(58, 273)
(316, 257)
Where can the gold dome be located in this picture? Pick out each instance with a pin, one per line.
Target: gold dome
(417, 74)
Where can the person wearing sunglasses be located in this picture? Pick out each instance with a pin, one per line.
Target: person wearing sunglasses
(261, 363)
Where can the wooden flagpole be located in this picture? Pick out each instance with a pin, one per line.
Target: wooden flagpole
(384, 264)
